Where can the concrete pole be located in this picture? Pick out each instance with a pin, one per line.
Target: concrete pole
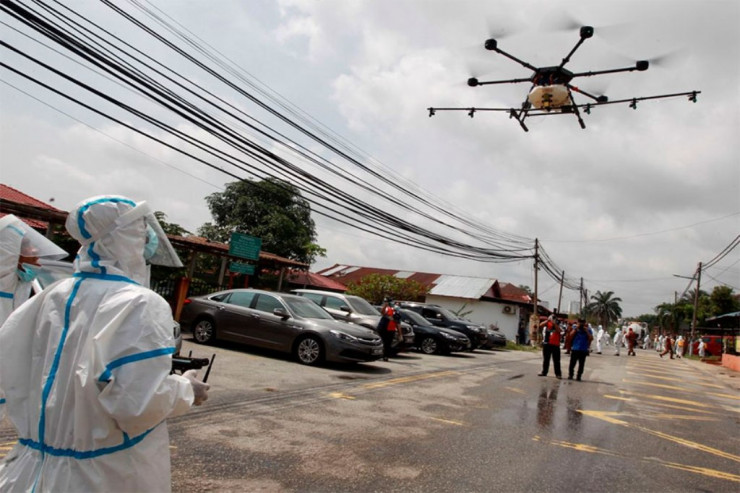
(534, 321)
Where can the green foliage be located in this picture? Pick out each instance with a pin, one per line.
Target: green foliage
(526, 288)
(170, 228)
(604, 307)
(722, 301)
(375, 287)
(272, 210)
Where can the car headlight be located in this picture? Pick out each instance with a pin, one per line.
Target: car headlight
(448, 336)
(342, 335)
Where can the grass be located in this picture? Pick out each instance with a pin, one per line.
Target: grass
(512, 346)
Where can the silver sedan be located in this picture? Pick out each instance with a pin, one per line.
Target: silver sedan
(280, 321)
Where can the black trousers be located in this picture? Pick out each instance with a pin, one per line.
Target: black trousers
(551, 351)
(388, 338)
(580, 357)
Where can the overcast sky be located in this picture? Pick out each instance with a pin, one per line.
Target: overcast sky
(636, 198)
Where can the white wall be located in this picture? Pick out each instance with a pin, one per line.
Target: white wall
(483, 312)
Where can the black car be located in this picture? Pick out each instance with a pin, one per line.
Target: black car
(284, 322)
(434, 340)
(495, 339)
(442, 317)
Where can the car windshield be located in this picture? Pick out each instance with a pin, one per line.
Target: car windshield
(305, 308)
(448, 314)
(415, 317)
(361, 306)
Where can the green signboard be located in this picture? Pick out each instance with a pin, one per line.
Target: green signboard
(245, 246)
(240, 268)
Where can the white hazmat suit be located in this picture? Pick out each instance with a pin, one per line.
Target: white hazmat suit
(18, 240)
(85, 365)
(618, 339)
(599, 339)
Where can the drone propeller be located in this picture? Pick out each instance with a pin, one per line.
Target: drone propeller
(564, 21)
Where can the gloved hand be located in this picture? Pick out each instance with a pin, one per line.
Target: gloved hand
(200, 389)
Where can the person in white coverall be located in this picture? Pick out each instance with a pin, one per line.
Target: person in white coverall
(20, 249)
(85, 365)
(618, 338)
(599, 339)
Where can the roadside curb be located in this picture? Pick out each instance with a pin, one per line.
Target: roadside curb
(721, 373)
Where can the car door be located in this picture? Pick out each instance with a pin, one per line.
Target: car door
(433, 316)
(271, 330)
(338, 308)
(235, 321)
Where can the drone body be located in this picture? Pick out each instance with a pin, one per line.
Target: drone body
(551, 91)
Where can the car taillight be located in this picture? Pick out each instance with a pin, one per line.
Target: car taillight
(187, 301)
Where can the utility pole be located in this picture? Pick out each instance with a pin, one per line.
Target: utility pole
(534, 320)
(580, 290)
(696, 301)
(560, 296)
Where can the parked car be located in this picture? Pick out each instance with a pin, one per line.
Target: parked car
(285, 322)
(494, 339)
(434, 340)
(442, 317)
(354, 310)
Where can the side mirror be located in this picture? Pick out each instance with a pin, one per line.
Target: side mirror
(280, 312)
(346, 309)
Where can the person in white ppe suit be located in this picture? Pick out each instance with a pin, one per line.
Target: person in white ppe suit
(20, 249)
(599, 339)
(85, 365)
(618, 339)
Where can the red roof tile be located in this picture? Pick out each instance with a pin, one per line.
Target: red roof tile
(13, 195)
(312, 280)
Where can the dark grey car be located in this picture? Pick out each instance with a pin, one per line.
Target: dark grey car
(284, 322)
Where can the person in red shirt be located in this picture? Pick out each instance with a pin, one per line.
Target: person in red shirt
(388, 326)
(631, 341)
(551, 346)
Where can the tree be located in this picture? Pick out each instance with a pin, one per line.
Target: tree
(272, 210)
(170, 228)
(605, 307)
(722, 301)
(375, 287)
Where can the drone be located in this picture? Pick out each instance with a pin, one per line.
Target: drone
(551, 91)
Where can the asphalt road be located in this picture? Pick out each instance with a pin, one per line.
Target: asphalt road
(477, 422)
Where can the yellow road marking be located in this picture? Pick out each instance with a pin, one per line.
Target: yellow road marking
(609, 418)
(662, 386)
(339, 395)
(582, 447)
(676, 379)
(668, 399)
(414, 378)
(661, 404)
(448, 421)
(9, 443)
(513, 389)
(726, 396)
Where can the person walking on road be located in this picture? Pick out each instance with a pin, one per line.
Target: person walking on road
(550, 347)
(599, 339)
(580, 349)
(701, 348)
(668, 345)
(631, 338)
(85, 364)
(618, 336)
(388, 326)
(680, 343)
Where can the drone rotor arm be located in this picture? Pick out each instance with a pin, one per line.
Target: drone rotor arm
(601, 72)
(508, 81)
(598, 99)
(494, 47)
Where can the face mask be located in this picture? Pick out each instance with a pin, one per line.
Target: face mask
(152, 243)
(26, 273)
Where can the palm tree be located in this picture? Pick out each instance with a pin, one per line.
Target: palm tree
(605, 307)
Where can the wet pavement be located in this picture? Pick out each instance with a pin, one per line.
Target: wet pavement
(474, 422)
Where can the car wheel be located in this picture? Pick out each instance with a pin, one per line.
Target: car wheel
(309, 350)
(429, 345)
(204, 331)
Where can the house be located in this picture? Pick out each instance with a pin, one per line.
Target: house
(481, 300)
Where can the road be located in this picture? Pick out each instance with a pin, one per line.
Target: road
(475, 422)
